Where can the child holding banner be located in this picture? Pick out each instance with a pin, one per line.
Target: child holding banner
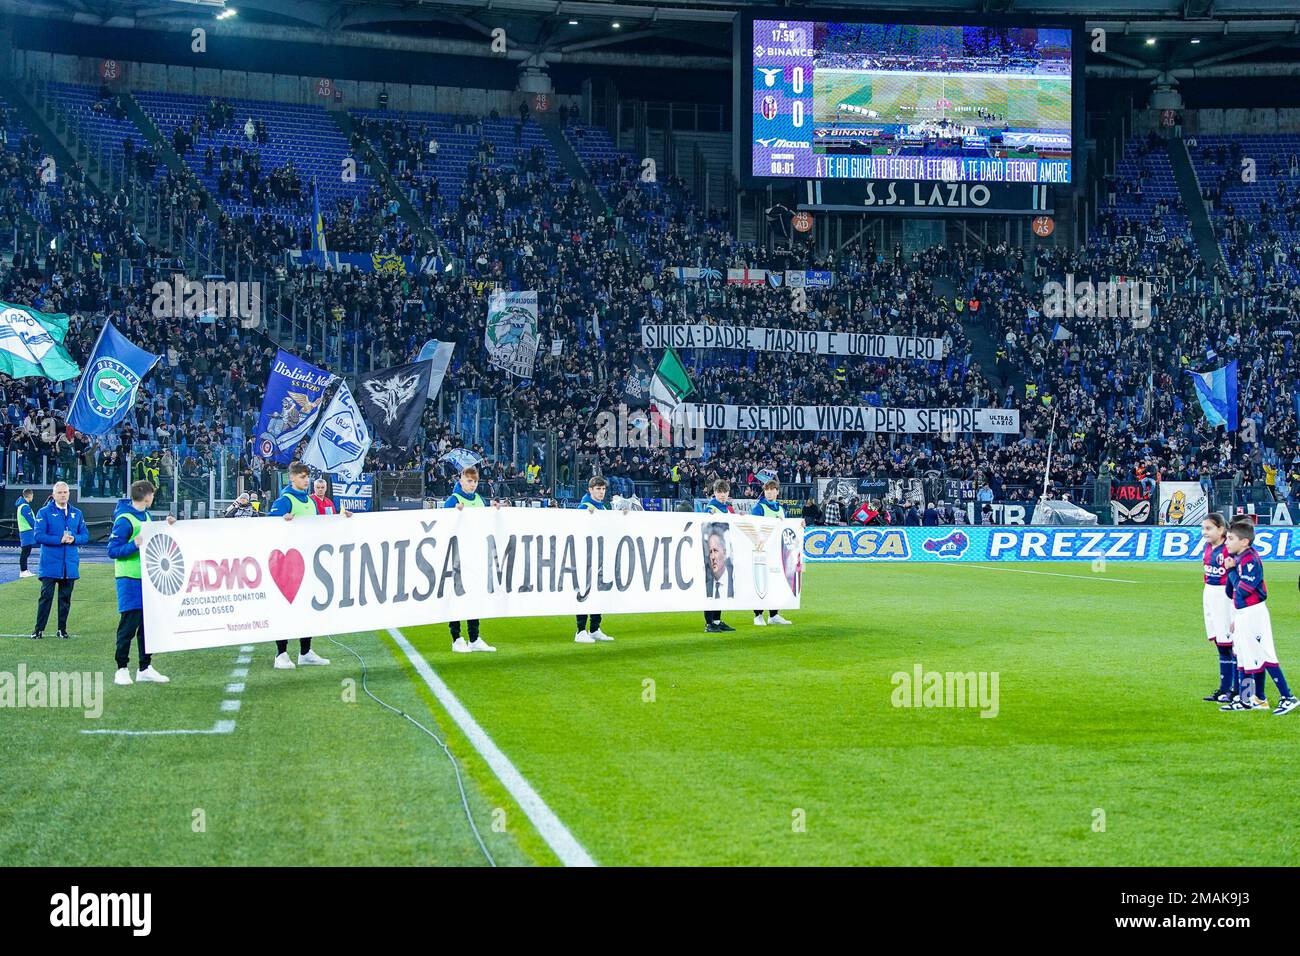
(295, 502)
(465, 495)
(125, 552)
(719, 504)
(593, 501)
(768, 507)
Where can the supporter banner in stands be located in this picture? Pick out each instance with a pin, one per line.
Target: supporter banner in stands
(368, 262)
(216, 583)
(850, 418)
(1000, 512)
(294, 392)
(1097, 546)
(511, 334)
(791, 341)
(1182, 502)
(356, 495)
(1131, 502)
(793, 278)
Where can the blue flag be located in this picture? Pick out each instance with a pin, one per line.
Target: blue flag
(1217, 393)
(294, 393)
(342, 439)
(109, 385)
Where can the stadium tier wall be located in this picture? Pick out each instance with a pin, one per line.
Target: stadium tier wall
(283, 88)
(1242, 121)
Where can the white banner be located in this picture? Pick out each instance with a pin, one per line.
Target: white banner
(1182, 502)
(236, 581)
(850, 418)
(864, 344)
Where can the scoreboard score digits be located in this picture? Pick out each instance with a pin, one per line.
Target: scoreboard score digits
(904, 101)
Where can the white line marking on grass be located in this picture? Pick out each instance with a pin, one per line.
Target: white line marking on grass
(246, 649)
(555, 833)
(220, 727)
(236, 688)
(243, 659)
(1055, 574)
(229, 705)
(239, 672)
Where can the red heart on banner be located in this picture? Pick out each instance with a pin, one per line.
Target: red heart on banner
(287, 569)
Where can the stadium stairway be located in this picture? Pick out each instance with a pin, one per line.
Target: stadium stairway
(1189, 188)
(379, 169)
(59, 140)
(163, 148)
(983, 346)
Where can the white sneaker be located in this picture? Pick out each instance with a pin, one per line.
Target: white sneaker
(282, 662)
(123, 677)
(759, 622)
(481, 645)
(600, 635)
(584, 638)
(311, 657)
(459, 646)
(778, 619)
(151, 676)
(27, 574)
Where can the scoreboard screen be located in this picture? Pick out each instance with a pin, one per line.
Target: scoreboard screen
(847, 100)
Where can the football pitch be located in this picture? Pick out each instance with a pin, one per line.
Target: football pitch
(1028, 102)
(1083, 739)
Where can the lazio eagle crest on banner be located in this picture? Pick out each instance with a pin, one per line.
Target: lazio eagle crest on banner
(341, 439)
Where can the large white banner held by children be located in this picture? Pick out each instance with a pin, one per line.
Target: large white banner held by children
(215, 583)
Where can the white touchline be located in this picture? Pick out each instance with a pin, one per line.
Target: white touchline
(220, 727)
(555, 833)
(239, 672)
(1055, 574)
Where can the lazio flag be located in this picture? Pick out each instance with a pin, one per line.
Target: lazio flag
(31, 344)
(1217, 392)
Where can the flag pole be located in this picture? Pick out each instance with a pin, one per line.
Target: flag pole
(1051, 435)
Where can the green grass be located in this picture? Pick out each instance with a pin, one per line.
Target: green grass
(304, 779)
(1099, 710)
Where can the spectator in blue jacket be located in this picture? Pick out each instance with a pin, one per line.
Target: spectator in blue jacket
(26, 531)
(60, 531)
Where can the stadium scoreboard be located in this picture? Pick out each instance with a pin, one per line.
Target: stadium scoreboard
(864, 112)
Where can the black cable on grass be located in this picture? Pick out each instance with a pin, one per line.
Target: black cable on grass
(464, 800)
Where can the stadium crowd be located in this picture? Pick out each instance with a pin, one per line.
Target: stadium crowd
(1117, 390)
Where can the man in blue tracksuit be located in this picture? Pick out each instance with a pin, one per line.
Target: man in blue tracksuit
(60, 531)
(26, 531)
(124, 548)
